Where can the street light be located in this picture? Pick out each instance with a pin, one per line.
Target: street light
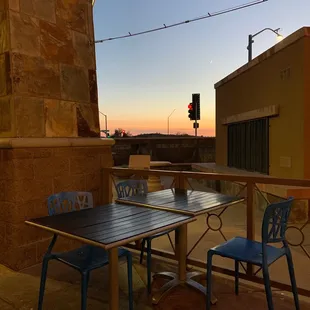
(169, 121)
(251, 41)
(106, 123)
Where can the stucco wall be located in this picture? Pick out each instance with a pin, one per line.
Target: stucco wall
(306, 74)
(265, 84)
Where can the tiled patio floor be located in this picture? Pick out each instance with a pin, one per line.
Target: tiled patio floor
(20, 291)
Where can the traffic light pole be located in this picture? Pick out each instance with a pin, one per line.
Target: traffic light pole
(196, 129)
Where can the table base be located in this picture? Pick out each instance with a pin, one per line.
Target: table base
(175, 281)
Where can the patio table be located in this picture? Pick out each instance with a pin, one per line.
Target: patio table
(186, 202)
(112, 226)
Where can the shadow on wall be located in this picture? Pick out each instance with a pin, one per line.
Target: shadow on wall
(175, 150)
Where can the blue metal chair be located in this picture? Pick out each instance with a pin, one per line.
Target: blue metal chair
(259, 253)
(139, 187)
(85, 258)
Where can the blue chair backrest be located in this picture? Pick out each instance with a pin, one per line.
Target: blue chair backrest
(275, 221)
(65, 202)
(131, 188)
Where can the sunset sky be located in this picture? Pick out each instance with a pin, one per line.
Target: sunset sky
(142, 79)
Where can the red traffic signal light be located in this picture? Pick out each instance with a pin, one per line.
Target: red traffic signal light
(191, 112)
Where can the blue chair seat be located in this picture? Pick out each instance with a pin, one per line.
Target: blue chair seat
(86, 257)
(244, 250)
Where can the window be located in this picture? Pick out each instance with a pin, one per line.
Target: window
(248, 145)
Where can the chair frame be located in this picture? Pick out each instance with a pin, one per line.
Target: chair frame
(273, 231)
(72, 198)
(134, 187)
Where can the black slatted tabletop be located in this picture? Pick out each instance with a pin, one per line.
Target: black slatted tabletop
(111, 225)
(182, 201)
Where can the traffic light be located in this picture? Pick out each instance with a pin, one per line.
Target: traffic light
(196, 106)
(191, 115)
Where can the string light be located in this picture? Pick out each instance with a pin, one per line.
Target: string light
(209, 15)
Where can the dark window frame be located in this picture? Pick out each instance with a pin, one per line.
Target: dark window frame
(248, 145)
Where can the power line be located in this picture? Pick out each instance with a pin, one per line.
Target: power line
(209, 15)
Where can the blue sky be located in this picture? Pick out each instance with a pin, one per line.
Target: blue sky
(142, 79)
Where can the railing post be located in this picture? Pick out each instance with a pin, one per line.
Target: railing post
(106, 187)
(250, 220)
(180, 181)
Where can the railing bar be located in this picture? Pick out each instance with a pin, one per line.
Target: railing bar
(222, 235)
(242, 265)
(257, 271)
(303, 226)
(190, 185)
(241, 190)
(216, 176)
(268, 202)
(171, 243)
(304, 249)
(173, 183)
(197, 242)
(224, 209)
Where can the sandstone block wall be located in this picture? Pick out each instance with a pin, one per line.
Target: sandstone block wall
(28, 176)
(48, 84)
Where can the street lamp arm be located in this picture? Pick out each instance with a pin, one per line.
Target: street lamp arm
(251, 41)
(276, 31)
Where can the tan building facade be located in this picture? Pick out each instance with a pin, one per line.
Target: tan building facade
(263, 111)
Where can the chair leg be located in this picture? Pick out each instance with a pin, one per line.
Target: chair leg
(149, 265)
(129, 274)
(236, 277)
(142, 250)
(267, 287)
(292, 276)
(209, 279)
(84, 287)
(42, 282)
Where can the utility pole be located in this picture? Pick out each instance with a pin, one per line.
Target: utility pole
(196, 124)
(168, 124)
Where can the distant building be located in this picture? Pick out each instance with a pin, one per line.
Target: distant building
(263, 111)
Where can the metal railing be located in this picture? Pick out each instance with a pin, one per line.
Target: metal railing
(250, 219)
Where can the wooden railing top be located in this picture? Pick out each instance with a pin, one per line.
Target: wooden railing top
(211, 176)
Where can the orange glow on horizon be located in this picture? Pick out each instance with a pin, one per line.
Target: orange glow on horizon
(206, 127)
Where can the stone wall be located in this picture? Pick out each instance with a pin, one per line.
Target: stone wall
(48, 104)
(173, 149)
(28, 176)
(48, 84)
